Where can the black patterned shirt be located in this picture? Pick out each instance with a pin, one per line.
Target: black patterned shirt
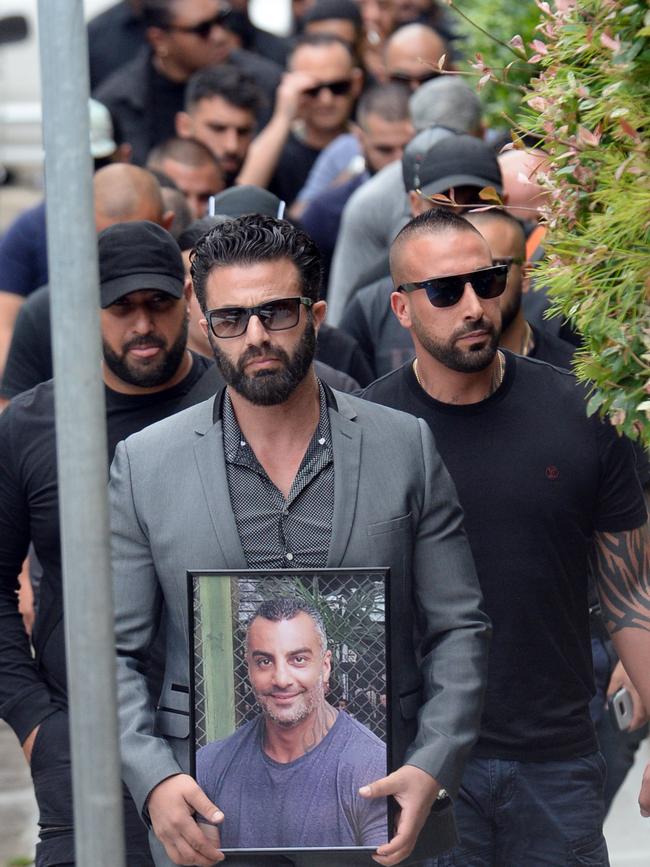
(279, 533)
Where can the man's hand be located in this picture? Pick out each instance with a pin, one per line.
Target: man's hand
(415, 791)
(290, 94)
(28, 743)
(620, 679)
(171, 806)
(644, 795)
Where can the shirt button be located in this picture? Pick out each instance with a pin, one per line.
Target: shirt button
(285, 511)
(321, 441)
(289, 556)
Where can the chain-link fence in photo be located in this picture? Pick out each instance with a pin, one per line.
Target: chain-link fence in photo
(351, 605)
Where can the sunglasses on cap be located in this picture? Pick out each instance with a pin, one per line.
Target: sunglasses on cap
(204, 28)
(278, 315)
(447, 291)
(336, 88)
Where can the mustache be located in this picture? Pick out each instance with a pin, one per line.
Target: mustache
(144, 340)
(481, 324)
(266, 350)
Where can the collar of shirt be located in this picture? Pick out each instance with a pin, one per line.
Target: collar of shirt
(318, 455)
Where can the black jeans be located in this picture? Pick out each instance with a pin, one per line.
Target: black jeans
(51, 775)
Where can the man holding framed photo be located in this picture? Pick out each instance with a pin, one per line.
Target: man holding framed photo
(278, 471)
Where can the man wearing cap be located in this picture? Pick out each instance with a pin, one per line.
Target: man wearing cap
(147, 373)
(121, 193)
(277, 471)
(377, 211)
(436, 161)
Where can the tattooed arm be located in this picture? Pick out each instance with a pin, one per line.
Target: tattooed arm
(622, 569)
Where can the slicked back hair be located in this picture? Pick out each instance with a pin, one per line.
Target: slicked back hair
(228, 82)
(286, 608)
(437, 221)
(256, 238)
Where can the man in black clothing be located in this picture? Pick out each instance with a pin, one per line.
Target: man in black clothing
(313, 106)
(148, 373)
(114, 37)
(145, 94)
(542, 486)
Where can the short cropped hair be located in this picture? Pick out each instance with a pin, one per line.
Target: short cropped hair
(256, 238)
(286, 608)
(319, 39)
(156, 13)
(489, 215)
(388, 101)
(434, 222)
(233, 85)
(187, 151)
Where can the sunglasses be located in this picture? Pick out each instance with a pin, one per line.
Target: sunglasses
(336, 88)
(278, 315)
(204, 28)
(447, 291)
(417, 80)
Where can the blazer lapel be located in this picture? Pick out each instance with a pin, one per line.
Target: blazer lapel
(346, 444)
(211, 465)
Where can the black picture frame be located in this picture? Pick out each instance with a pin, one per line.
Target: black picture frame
(354, 606)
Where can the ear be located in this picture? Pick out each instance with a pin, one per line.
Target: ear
(400, 306)
(204, 327)
(167, 220)
(327, 666)
(357, 132)
(187, 288)
(417, 204)
(184, 125)
(318, 311)
(156, 37)
(357, 82)
(123, 153)
(526, 276)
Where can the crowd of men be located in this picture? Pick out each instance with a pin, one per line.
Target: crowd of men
(321, 350)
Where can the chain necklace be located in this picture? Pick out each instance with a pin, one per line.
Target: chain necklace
(495, 382)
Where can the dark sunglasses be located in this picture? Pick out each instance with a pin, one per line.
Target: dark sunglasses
(417, 80)
(278, 315)
(336, 88)
(447, 291)
(204, 28)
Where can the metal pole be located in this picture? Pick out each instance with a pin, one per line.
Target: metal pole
(81, 436)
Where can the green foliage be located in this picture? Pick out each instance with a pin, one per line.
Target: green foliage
(487, 30)
(590, 102)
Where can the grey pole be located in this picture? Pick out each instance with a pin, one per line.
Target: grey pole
(81, 435)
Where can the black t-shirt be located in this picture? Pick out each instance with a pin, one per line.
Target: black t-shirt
(29, 360)
(294, 165)
(29, 511)
(167, 98)
(536, 478)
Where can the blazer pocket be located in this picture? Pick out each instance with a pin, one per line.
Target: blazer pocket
(173, 713)
(410, 703)
(172, 725)
(392, 526)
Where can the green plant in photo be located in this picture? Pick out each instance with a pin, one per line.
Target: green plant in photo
(590, 105)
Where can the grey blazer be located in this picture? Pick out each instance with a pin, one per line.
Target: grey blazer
(394, 505)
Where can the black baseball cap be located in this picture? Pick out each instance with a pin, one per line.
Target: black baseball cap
(246, 199)
(439, 158)
(138, 255)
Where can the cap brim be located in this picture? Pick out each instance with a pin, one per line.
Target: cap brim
(112, 290)
(442, 184)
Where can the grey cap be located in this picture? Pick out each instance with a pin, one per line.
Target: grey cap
(446, 101)
(438, 159)
(246, 199)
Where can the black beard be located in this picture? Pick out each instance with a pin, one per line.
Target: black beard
(143, 374)
(468, 361)
(269, 387)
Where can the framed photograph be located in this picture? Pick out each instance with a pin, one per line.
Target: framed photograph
(289, 706)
